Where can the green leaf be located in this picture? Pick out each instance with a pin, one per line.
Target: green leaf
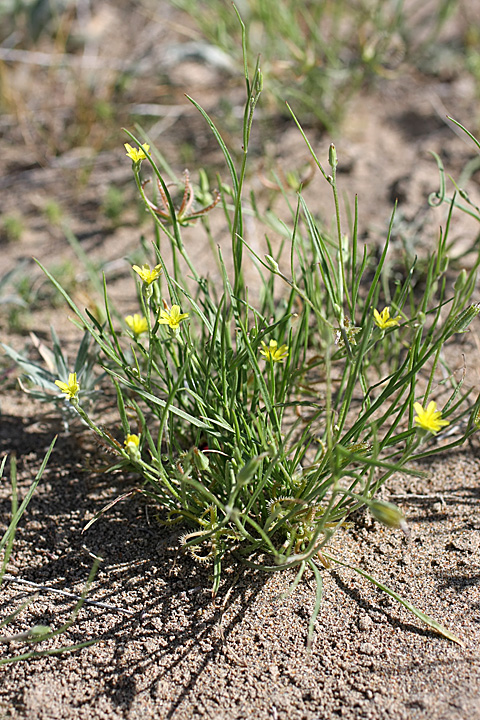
(161, 403)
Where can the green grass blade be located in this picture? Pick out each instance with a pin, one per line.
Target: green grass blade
(158, 401)
(318, 601)
(221, 142)
(15, 519)
(433, 624)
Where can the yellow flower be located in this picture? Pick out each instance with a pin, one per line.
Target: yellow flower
(383, 319)
(148, 275)
(71, 388)
(137, 323)
(429, 419)
(274, 353)
(172, 317)
(136, 154)
(132, 443)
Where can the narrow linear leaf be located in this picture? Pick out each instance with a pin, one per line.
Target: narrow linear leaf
(436, 626)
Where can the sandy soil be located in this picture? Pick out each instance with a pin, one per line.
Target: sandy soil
(166, 649)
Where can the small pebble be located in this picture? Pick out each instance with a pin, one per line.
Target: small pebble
(365, 622)
(367, 648)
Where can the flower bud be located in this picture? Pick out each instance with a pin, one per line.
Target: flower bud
(476, 418)
(461, 281)
(272, 263)
(463, 320)
(332, 156)
(388, 514)
(200, 460)
(421, 319)
(39, 630)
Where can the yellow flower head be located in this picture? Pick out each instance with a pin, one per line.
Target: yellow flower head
(148, 275)
(137, 323)
(429, 419)
(132, 440)
(274, 353)
(383, 319)
(172, 317)
(71, 388)
(136, 154)
(132, 443)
